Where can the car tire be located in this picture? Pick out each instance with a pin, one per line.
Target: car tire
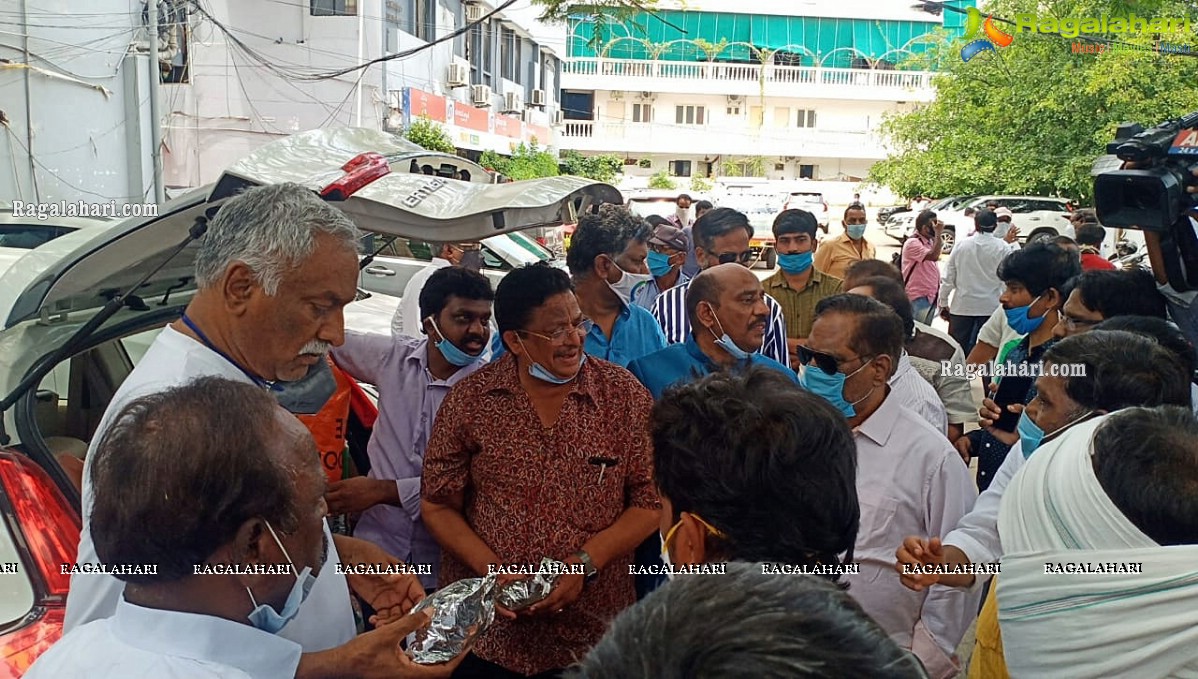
(948, 238)
(771, 259)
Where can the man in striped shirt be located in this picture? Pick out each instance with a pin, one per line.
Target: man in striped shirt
(721, 236)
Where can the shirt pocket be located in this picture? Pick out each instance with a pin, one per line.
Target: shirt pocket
(593, 496)
(875, 532)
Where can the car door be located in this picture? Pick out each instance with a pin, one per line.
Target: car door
(394, 266)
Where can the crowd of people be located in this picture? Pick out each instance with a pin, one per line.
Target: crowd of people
(748, 478)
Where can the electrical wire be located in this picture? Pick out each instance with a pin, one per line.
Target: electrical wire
(12, 137)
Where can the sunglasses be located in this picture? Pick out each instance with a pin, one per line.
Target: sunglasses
(739, 257)
(825, 362)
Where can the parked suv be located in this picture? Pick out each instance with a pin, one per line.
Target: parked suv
(811, 201)
(901, 224)
(1039, 218)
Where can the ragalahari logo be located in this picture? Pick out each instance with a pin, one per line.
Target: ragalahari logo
(995, 38)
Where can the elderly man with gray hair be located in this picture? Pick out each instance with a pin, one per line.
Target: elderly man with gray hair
(274, 270)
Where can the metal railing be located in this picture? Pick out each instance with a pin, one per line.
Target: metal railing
(769, 73)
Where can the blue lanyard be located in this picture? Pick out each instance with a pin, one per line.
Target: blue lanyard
(208, 343)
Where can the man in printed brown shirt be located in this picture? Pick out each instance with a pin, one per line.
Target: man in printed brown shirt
(543, 453)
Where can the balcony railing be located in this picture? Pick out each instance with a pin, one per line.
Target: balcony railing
(718, 138)
(769, 73)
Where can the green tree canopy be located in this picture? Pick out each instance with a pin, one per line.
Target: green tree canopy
(526, 162)
(603, 168)
(429, 135)
(1032, 117)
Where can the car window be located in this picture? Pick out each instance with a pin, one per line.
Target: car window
(531, 245)
(29, 236)
(502, 252)
(1049, 205)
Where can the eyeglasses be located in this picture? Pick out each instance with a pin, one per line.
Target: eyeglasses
(1075, 323)
(825, 362)
(738, 257)
(559, 337)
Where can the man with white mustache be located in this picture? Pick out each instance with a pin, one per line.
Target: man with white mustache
(274, 270)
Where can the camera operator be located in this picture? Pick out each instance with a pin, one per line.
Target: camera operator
(1183, 306)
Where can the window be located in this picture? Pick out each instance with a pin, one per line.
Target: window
(175, 31)
(334, 8)
(481, 47)
(734, 110)
(806, 118)
(642, 113)
(459, 42)
(689, 115)
(509, 54)
(680, 168)
(781, 117)
(425, 16)
(808, 171)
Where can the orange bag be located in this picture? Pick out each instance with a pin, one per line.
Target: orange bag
(328, 425)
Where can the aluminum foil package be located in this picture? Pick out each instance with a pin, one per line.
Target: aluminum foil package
(461, 612)
(521, 594)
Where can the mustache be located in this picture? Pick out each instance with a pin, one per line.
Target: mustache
(316, 348)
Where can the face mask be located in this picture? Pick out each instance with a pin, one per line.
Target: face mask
(725, 342)
(264, 617)
(1031, 435)
(1002, 229)
(450, 351)
(665, 543)
(628, 284)
(539, 372)
(856, 231)
(308, 394)
(1019, 320)
(796, 263)
(659, 264)
(831, 387)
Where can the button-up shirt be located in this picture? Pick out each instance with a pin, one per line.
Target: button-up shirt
(922, 276)
(798, 306)
(647, 294)
(409, 396)
(684, 362)
(910, 481)
(533, 491)
(670, 312)
(634, 334)
(835, 255)
(325, 619)
(976, 533)
(929, 352)
(152, 642)
(407, 315)
(970, 279)
(913, 391)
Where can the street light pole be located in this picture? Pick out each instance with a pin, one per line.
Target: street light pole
(155, 114)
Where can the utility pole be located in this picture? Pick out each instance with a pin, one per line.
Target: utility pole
(155, 114)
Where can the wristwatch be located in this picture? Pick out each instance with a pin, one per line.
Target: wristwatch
(587, 563)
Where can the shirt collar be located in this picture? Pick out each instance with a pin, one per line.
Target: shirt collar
(903, 365)
(879, 426)
(206, 638)
(419, 355)
(441, 263)
(779, 281)
(695, 351)
(501, 376)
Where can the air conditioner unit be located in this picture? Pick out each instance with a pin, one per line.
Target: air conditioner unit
(512, 102)
(459, 75)
(475, 12)
(617, 95)
(559, 117)
(648, 96)
(733, 98)
(480, 95)
(538, 97)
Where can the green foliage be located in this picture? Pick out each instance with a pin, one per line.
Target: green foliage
(701, 184)
(1032, 117)
(749, 166)
(526, 162)
(429, 135)
(645, 163)
(559, 10)
(602, 168)
(661, 180)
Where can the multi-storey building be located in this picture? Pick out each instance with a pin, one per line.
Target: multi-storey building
(784, 90)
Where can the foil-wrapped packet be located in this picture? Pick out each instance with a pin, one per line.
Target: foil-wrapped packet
(461, 612)
(520, 594)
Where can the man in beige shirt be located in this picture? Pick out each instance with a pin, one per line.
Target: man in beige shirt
(836, 254)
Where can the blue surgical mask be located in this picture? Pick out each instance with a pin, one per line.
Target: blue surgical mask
(856, 231)
(1019, 320)
(659, 264)
(451, 352)
(1031, 435)
(539, 371)
(265, 617)
(831, 387)
(796, 263)
(725, 342)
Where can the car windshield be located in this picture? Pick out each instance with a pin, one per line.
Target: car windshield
(644, 207)
(510, 250)
(27, 237)
(531, 245)
(807, 197)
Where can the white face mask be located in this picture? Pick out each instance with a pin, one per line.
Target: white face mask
(629, 284)
(665, 557)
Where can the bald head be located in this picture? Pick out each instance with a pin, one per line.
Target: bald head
(711, 283)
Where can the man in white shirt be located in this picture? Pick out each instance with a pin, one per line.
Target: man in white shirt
(908, 475)
(407, 319)
(275, 269)
(220, 577)
(970, 287)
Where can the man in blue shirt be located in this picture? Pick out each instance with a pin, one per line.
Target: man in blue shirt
(728, 317)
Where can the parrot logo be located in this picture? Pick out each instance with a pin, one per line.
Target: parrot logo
(995, 38)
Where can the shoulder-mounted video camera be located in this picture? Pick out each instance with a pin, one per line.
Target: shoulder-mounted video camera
(1152, 196)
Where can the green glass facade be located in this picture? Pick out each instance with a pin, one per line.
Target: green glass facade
(833, 42)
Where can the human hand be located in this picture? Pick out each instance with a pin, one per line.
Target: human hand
(354, 495)
(1012, 234)
(944, 314)
(566, 591)
(964, 448)
(500, 582)
(378, 654)
(917, 552)
(394, 596)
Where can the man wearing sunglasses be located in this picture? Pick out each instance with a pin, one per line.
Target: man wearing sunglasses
(908, 474)
(721, 237)
(728, 315)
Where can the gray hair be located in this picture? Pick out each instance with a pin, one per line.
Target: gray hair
(746, 624)
(270, 229)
